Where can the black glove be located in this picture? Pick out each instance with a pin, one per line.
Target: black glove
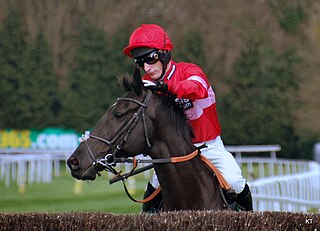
(155, 86)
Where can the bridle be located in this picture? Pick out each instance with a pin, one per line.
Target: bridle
(109, 160)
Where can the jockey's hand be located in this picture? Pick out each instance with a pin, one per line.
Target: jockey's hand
(155, 86)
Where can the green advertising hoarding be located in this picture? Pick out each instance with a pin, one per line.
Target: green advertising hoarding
(49, 138)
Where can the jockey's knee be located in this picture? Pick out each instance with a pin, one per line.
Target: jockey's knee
(237, 182)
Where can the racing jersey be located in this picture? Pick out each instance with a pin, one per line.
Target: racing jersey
(190, 85)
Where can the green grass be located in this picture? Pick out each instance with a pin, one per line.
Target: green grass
(60, 196)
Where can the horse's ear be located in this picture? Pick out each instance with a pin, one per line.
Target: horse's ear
(137, 81)
(125, 83)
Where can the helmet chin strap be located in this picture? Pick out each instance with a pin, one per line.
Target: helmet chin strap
(164, 69)
(163, 72)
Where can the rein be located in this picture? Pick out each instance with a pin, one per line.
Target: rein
(171, 160)
(222, 182)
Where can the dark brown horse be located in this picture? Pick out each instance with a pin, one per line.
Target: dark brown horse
(145, 122)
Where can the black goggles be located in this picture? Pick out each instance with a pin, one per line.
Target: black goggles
(150, 58)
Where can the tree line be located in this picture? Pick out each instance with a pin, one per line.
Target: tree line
(257, 109)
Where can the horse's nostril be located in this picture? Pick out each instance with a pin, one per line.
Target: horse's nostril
(73, 163)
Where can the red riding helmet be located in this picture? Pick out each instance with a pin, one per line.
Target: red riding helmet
(148, 35)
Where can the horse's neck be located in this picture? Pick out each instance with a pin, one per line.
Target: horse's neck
(169, 142)
(171, 147)
(168, 146)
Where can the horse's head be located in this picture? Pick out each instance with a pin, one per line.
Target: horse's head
(121, 132)
(130, 127)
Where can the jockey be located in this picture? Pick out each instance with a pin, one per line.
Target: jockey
(150, 47)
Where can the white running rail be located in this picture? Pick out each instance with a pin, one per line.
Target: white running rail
(276, 184)
(27, 166)
(253, 149)
(256, 168)
(297, 192)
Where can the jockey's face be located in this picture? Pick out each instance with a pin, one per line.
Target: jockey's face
(153, 70)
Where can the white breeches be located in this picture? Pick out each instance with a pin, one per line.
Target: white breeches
(223, 160)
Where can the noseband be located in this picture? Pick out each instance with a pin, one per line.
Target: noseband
(109, 159)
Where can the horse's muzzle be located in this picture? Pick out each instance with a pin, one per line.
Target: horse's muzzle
(79, 172)
(73, 163)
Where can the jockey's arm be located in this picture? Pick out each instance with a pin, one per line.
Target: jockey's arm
(192, 88)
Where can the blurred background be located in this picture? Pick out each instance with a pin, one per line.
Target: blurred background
(60, 61)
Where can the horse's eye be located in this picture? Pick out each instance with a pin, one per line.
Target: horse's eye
(119, 114)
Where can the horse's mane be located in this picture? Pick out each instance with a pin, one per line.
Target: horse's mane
(175, 114)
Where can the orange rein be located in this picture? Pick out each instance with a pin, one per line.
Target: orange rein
(222, 181)
(172, 160)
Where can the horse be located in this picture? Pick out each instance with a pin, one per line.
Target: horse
(146, 122)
